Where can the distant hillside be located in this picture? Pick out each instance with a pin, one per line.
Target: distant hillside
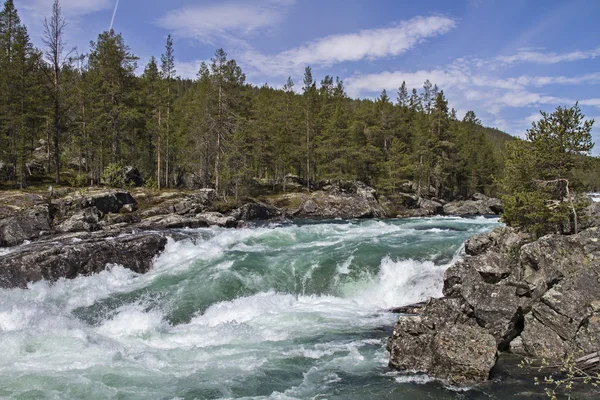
(498, 138)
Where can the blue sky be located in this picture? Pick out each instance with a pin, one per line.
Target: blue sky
(504, 59)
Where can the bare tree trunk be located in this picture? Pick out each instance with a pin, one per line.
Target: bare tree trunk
(307, 153)
(53, 40)
(158, 163)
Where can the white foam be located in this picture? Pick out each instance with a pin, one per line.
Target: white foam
(403, 282)
(132, 321)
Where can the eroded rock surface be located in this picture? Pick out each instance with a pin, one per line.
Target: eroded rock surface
(536, 298)
(70, 256)
(479, 204)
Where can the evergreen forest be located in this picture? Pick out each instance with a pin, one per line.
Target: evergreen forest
(89, 111)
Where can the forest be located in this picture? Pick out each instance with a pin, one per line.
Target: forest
(89, 113)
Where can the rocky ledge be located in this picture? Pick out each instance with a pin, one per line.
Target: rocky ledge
(538, 299)
(69, 256)
(343, 199)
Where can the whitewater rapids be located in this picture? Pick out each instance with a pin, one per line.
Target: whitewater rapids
(275, 311)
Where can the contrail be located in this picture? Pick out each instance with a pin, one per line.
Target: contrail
(112, 21)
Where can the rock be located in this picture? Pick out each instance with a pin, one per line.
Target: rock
(497, 309)
(340, 199)
(35, 168)
(533, 298)
(204, 196)
(479, 205)
(217, 219)
(128, 208)
(590, 217)
(171, 221)
(430, 207)
(27, 225)
(541, 342)
(410, 345)
(463, 355)
(63, 258)
(132, 176)
(109, 202)
(117, 219)
(256, 211)
(503, 239)
(87, 220)
(310, 207)
(459, 354)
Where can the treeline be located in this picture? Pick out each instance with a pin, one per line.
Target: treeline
(217, 130)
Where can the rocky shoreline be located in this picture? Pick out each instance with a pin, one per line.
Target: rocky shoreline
(79, 233)
(510, 295)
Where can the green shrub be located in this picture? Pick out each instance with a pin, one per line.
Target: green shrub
(113, 176)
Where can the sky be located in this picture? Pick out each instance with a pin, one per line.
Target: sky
(504, 59)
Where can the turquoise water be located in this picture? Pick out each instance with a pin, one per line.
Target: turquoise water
(275, 311)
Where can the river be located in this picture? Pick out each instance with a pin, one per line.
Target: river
(276, 311)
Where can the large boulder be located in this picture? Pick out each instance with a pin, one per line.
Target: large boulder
(70, 257)
(217, 219)
(343, 199)
(109, 202)
(479, 204)
(535, 298)
(132, 176)
(86, 220)
(444, 343)
(27, 225)
(256, 211)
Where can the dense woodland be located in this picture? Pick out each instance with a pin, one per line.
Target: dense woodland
(93, 114)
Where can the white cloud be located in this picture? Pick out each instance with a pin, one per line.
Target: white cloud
(224, 20)
(189, 69)
(392, 80)
(540, 57)
(366, 44)
(70, 8)
(590, 102)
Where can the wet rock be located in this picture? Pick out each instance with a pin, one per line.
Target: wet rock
(27, 225)
(68, 258)
(256, 211)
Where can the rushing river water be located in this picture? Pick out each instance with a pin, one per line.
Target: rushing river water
(277, 311)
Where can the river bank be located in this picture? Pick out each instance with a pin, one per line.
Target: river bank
(65, 234)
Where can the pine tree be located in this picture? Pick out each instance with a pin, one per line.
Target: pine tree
(112, 85)
(54, 29)
(168, 74)
(22, 92)
(309, 93)
(403, 99)
(539, 172)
